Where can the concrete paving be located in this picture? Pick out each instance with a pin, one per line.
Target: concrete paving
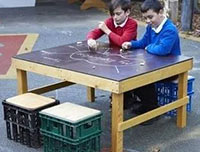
(59, 23)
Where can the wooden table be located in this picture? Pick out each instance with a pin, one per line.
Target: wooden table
(109, 70)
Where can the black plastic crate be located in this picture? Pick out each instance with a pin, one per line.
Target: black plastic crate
(25, 136)
(26, 118)
(22, 122)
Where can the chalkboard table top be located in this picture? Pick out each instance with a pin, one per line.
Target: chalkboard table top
(105, 62)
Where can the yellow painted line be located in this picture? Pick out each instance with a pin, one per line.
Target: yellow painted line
(28, 43)
(26, 47)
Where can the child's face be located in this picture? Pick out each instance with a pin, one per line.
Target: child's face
(153, 18)
(120, 15)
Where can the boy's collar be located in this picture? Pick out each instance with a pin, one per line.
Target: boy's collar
(121, 25)
(159, 28)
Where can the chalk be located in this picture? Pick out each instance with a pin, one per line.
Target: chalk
(121, 50)
(142, 63)
(78, 43)
(116, 69)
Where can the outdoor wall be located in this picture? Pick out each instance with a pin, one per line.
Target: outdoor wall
(16, 3)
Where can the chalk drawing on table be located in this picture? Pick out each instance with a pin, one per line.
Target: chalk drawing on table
(73, 47)
(100, 57)
(117, 69)
(52, 59)
(103, 59)
(52, 53)
(102, 48)
(106, 51)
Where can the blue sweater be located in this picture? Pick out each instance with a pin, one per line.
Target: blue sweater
(163, 43)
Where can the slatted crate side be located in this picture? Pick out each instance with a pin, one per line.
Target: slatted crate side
(54, 144)
(68, 130)
(25, 136)
(25, 118)
(167, 92)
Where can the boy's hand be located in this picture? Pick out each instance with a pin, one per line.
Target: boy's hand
(104, 28)
(92, 44)
(126, 45)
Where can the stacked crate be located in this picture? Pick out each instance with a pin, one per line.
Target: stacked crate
(21, 114)
(168, 92)
(71, 128)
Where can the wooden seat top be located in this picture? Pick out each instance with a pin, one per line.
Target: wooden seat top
(30, 101)
(70, 112)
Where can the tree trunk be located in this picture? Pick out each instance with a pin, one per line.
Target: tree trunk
(173, 5)
(187, 14)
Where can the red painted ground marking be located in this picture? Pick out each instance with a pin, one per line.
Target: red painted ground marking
(9, 46)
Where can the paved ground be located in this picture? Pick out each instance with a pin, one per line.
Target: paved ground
(59, 23)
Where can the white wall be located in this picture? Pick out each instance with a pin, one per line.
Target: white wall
(17, 3)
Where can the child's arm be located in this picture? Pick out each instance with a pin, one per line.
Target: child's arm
(142, 43)
(95, 34)
(98, 32)
(92, 36)
(165, 44)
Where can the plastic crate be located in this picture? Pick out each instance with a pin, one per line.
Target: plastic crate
(165, 100)
(168, 92)
(29, 137)
(21, 114)
(53, 143)
(70, 121)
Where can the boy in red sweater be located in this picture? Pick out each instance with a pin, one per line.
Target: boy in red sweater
(119, 27)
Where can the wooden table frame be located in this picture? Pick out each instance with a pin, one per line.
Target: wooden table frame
(117, 89)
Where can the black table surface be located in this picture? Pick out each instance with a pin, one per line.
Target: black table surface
(104, 62)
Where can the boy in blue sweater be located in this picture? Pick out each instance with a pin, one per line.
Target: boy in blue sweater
(161, 38)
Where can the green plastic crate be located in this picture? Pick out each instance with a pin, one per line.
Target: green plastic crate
(52, 123)
(55, 144)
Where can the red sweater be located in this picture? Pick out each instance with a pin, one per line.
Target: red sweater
(118, 35)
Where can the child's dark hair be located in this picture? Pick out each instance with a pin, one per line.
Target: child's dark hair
(125, 5)
(154, 5)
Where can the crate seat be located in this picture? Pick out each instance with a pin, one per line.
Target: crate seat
(73, 126)
(21, 114)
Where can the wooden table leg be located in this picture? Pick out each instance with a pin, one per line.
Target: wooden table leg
(117, 117)
(22, 81)
(91, 94)
(182, 92)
